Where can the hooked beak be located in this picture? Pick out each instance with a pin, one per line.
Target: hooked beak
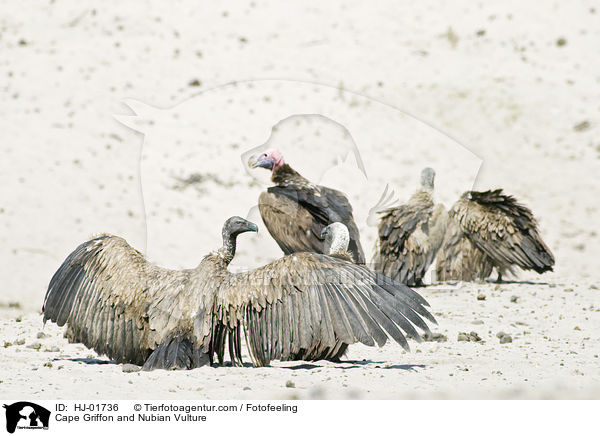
(324, 232)
(260, 160)
(252, 227)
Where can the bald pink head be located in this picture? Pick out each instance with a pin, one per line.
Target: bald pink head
(269, 159)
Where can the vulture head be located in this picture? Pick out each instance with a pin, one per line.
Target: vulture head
(427, 178)
(236, 225)
(231, 229)
(269, 159)
(336, 238)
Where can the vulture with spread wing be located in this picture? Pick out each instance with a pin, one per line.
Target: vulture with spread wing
(304, 305)
(295, 211)
(411, 234)
(501, 229)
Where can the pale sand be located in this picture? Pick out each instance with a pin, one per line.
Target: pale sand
(512, 94)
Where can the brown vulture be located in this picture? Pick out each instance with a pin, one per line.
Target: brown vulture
(459, 259)
(503, 230)
(411, 234)
(295, 211)
(304, 305)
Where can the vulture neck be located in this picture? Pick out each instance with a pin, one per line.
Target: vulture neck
(285, 175)
(227, 251)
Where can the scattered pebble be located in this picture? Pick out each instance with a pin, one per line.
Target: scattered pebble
(577, 328)
(469, 337)
(194, 82)
(35, 346)
(48, 364)
(290, 384)
(7, 344)
(504, 337)
(477, 322)
(129, 367)
(41, 335)
(434, 337)
(247, 388)
(568, 290)
(514, 299)
(560, 42)
(481, 297)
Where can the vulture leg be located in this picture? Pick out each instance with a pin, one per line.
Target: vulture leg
(499, 279)
(177, 353)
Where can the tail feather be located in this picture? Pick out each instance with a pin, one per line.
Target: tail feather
(177, 353)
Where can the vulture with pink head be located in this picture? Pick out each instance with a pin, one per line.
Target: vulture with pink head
(295, 211)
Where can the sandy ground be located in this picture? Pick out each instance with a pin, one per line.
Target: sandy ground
(502, 94)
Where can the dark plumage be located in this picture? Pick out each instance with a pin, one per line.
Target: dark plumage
(459, 259)
(410, 235)
(503, 230)
(295, 211)
(305, 305)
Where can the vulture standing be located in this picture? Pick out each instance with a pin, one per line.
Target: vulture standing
(501, 233)
(410, 235)
(304, 305)
(459, 259)
(295, 211)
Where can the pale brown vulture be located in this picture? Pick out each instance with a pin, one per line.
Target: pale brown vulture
(411, 234)
(295, 211)
(301, 306)
(459, 259)
(503, 230)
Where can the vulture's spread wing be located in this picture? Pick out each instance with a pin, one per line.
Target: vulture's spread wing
(117, 303)
(295, 217)
(306, 303)
(503, 229)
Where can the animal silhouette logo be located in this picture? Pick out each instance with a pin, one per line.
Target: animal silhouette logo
(332, 136)
(26, 415)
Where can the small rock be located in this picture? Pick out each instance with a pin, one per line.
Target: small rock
(577, 328)
(247, 388)
(41, 335)
(195, 82)
(568, 290)
(473, 336)
(477, 322)
(48, 364)
(172, 390)
(129, 367)
(290, 384)
(500, 334)
(506, 339)
(560, 42)
(481, 297)
(7, 344)
(19, 341)
(463, 337)
(19, 318)
(514, 299)
(434, 337)
(35, 346)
